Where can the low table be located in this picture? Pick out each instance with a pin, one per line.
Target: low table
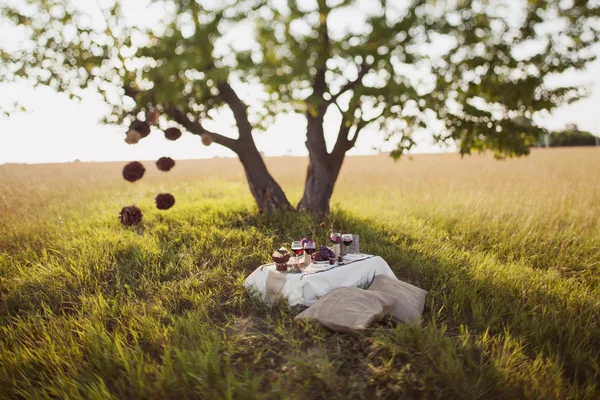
(307, 287)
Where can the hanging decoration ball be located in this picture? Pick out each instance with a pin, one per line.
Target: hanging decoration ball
(165, 163)
(173, 133)
(133, 171)
(142, 127)
(152, 117)
(164, 201)
(130, 216)
(207, 139)
(133, 136)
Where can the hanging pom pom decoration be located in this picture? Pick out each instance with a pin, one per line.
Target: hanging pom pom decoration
(130, 216)
(152, 117)
(133, 171)
(207, 139)
(164, 201)
(133, 136)
(165, 163)
(142, 127)
(172, 133)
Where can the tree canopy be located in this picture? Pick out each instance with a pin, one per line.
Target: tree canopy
(572, 136)
(474, 73)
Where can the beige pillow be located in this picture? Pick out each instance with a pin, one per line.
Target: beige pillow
(409, 300)
(348, 309)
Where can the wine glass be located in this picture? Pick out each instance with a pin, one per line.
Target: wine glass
(347, 239)
(310, 247)
(335, 238)
(297, 250)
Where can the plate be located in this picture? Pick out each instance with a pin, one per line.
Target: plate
(355, 257)
(322, 265)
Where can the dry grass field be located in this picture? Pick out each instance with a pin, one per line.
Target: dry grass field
(509, 250)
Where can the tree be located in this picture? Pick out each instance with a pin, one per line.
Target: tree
(571, 136)
(468, 71)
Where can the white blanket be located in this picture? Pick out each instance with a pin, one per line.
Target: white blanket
(306, 289)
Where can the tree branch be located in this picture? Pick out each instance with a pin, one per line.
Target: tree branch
(351, 142)
(359, 127)
(197, 129)
(234, 102)
(364, 68)
(343, 142)
(238, 108)
(339, 149)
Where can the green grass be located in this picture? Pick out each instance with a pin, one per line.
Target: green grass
(89, 309)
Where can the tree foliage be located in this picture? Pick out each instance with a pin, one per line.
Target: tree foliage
(472, 72)
(571, 136)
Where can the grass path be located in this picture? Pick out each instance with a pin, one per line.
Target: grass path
(89, 309)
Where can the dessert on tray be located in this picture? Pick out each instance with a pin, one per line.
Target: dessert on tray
(281, 257)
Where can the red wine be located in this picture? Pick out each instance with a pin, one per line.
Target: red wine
(297, 251)
(310, 251)
(347, 242)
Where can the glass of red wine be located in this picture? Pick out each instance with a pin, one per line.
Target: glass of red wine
(310, 247)
(347, 239)
(335, 238)
(297, 250)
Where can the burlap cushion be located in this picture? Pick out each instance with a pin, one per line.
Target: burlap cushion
(348, 309)
(409, 300)
(274, 285)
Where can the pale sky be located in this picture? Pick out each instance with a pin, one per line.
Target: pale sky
(56, 129)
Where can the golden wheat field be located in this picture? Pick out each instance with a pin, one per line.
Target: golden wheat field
(508, 250)
(564, 178)
(555, 187)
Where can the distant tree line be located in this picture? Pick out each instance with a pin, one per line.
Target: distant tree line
(572, 136)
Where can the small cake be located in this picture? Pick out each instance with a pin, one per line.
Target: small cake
(281, 260)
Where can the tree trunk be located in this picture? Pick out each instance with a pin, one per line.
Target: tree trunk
(321, 176)
(266, 191)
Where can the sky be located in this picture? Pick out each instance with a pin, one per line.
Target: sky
(57, 129)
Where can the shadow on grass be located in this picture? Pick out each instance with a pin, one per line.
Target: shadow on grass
(483, 334)
(540, 324)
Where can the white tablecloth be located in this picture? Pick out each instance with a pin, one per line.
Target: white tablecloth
(306, 289)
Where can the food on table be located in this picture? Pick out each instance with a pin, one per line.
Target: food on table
(281, 267)
(283, 250)
(280, 260)
(323, 254)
